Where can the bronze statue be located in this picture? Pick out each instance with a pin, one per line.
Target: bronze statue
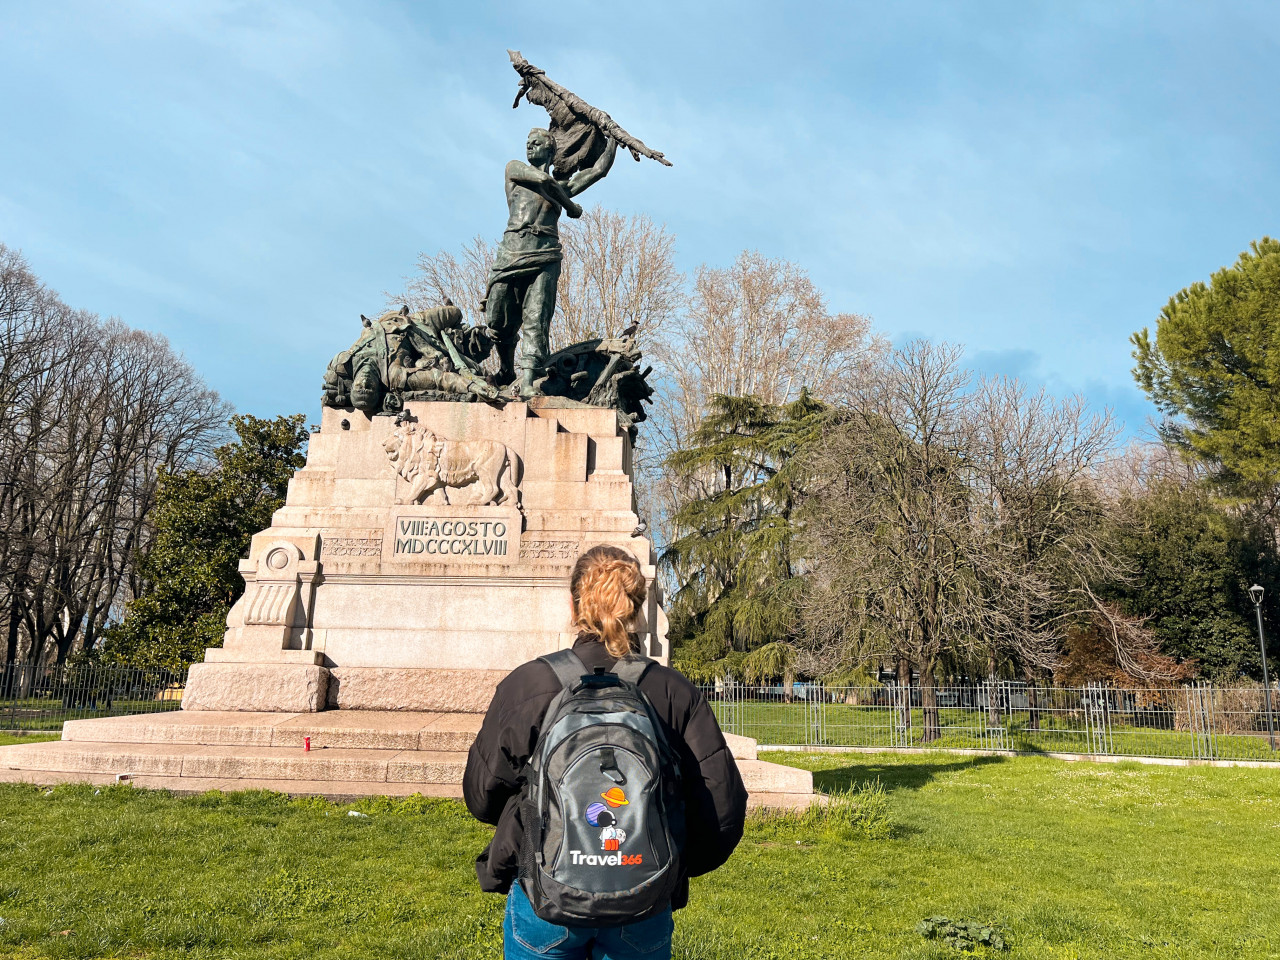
(521, 295)
(576, 151)
(429, 356)
(401, 353)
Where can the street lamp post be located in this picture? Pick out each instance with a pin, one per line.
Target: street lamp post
(1255, 594)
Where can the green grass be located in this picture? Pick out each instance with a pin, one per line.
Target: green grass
(838, 724)
(1073, 860)
(7, 739)
(43, 713)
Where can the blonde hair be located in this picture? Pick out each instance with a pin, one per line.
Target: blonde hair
(608, 589)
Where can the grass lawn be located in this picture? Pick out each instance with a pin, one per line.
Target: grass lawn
(843, 725)
(7, 739)
(46, 714)
(1074, 860)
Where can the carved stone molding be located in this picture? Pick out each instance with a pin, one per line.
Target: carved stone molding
(275, 611)
(550, 549)
(273, 598)
(352, 547)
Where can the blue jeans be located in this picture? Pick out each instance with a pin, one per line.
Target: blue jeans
(526, 936)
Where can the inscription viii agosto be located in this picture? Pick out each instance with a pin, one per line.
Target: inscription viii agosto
(461, 538)
(420, 534)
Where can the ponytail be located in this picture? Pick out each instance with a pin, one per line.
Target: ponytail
(608, 589)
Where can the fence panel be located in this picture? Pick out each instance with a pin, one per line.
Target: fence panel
(41, 698)
(1192, 722)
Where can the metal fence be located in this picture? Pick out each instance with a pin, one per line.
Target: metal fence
(34, 697)
(1200, 722)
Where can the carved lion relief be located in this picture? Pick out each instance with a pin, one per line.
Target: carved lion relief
(436, 468)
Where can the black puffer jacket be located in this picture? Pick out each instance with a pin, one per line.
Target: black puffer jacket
(715, 799)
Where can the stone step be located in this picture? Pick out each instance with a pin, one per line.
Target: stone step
(349, 749)
(223, 762)
(358, 729)
(343, 792)
(762, 777)
(338, 764)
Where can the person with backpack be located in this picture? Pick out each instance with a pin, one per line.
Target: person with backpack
(609, 783)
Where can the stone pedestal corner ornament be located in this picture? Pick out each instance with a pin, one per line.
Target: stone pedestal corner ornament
(279, 589)
(276, 590)
(266, 663)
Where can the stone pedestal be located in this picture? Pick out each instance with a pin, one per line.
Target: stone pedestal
(419, 559)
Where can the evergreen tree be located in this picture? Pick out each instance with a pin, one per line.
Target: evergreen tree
(1213, 370)
(737, 579)
(204, 520)
(1192, 562)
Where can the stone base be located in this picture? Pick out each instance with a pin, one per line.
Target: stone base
(421, 599)
(390, 688)
(256, 687)
(353, 753)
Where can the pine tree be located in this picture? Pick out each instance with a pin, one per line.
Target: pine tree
(738, 579)
(1213, 370)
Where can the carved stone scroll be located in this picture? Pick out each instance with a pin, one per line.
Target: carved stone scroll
(273, 612)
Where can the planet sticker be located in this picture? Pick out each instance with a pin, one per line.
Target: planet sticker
(593, 813)
(614, 797)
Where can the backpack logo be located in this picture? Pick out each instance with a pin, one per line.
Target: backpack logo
(599, 815)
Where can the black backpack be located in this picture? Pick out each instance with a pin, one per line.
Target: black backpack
(601, 803)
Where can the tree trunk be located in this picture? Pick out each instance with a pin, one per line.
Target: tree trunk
(14, 627)
(993, 694)
(904, 683)
(929, 704)
(1033, 701)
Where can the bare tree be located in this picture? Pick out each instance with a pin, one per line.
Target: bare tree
(961, 527)
(888, 525)
(619, 271)
(1037, 463)
(89, 411)
(757, 328)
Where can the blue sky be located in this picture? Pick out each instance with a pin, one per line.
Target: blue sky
(1031, 180)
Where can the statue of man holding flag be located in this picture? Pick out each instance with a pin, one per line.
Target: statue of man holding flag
(576, 151)
(521, 294)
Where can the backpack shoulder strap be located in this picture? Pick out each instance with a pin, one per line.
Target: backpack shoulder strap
(632, 667)
(568, 668)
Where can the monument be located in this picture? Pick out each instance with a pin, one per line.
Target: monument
(425, 548)
(420, 556)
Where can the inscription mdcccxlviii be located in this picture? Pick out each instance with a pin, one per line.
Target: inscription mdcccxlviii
(457, 538)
